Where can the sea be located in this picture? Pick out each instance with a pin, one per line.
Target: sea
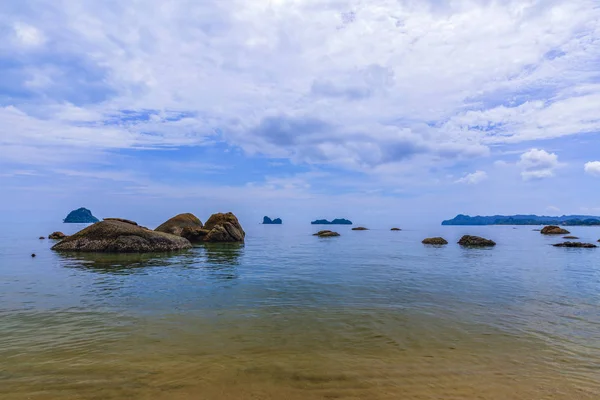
(367, 315)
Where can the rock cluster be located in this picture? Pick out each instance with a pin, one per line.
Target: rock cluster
(220, 227)
(118, 236)
(57, 236)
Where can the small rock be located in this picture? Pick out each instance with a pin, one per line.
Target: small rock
(576, 245)
(395, 229)
(42, 238)
(475, 241)
(554, 230)
(360, 228)
(435, 241)
(57, 236)
(33, 255)
(326, 234)
(570, 237)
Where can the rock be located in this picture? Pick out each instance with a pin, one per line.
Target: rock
(475, 241)
(395, 229)
(176, 225)
(269, 221)
(554, 230)
(570, 237)
(337, 221)
(576, 245)
(80, 216)
(224, 227)
(326, 234)
(121, 236)
(121, 220)
(57, 236)
(435, 241)
(194, 235)
(360, 228)
(32, 255)
(42, 238)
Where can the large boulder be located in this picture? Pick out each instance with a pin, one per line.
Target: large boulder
(576, 245)
(475, 241)
(554, 230)
(223, 227)
(118, 236)
(435, 241)
(178, 223)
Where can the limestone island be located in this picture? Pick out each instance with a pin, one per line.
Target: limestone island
(269, 221)
(80, 216)
(337, 221)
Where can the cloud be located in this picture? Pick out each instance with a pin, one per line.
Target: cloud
(361, 86)
(552, 209)
(473, 178)
(592, 168)
(538, 164)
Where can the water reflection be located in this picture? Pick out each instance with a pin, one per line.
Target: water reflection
(222, 260)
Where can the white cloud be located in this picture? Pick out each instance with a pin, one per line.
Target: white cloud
(552, 209)
(538, 164)
(592, 168)
(473, 178)
(352, 83)
(28, 35)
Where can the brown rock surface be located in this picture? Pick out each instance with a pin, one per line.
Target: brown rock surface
(554, 230)
(178, 223)
(475, 241)
(435, 241)
(224, 227)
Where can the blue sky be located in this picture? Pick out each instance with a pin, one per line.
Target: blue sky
(391, 111)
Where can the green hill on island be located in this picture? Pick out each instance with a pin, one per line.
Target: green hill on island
(269, 221)
(569, 220)
(80, 216)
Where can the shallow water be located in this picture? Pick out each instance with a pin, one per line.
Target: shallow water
(367, 315)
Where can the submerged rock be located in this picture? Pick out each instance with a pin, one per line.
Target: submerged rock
(114, 235)
(576, 245)
(435, 241)
(224, 227)
(475, 241)
(80, 216)
(570, 237)
(269, 221)
(554, 230)
(395, 229)
(360, 228)
(178, 223)
(57, 236)
(326, 233)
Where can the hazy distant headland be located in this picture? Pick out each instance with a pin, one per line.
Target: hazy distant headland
(572, 220)
(337, 221)
(80, 216)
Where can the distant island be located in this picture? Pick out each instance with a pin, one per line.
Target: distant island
(269, 221)
(337, 221)
(80, 216)
(568, 220)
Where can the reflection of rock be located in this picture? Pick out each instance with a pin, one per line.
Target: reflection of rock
(121, 236)
(57, 236)
(269, 221)
(178, 223)
(395, 229)
(221, 254)
(326, 233)
(554, 230)
(475, 241)
(80, 216)
(360, 228)
(224, 227)
(435, 241)
(576, 245)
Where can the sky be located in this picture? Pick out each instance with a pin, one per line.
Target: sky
(388, 112)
